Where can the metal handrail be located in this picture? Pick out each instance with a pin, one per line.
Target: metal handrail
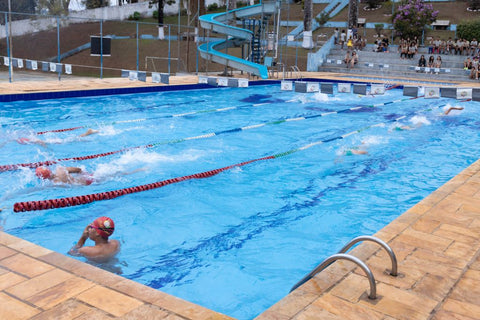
(339, 256)
(297, 71)
(389, 250)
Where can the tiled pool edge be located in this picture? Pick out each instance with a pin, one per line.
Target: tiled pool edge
(85, 290)
(303, 302)
(422, 289)
(437, 245)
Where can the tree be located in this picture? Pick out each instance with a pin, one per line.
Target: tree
(307, 24)
(373, 4)
(352, 13)
(474, 4)
(20, 6)
(410, 19)
(469, 29)
(92, 4)
(161, 4)
(55, 7)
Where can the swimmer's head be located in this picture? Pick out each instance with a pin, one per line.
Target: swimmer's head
(43, 172)
(104, 226)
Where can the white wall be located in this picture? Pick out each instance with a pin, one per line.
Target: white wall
(20, 27)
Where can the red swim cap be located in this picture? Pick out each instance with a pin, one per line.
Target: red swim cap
(104, 226)
(43, 172)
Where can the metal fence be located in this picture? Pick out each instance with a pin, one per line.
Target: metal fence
(63, 44)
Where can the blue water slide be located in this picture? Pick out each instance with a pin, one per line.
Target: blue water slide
(217, 22)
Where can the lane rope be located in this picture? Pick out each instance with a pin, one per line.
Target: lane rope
(163, 117)
(89, 198)
(11, 167)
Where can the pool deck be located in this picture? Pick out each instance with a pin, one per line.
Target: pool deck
(436, 242)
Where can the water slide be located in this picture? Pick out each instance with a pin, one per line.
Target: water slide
(217, 22)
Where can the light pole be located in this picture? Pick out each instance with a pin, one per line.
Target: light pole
(10, 67)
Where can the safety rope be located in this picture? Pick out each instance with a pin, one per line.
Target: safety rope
(161, 117)
(204, 136)
(80, 200)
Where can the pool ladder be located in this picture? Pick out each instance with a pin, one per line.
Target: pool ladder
(342, 256)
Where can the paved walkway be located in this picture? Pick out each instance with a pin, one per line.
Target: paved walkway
(436, 243)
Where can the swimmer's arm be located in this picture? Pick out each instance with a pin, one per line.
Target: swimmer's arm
(75, 250)
(88, 132)
(73, 169)
(452, 108)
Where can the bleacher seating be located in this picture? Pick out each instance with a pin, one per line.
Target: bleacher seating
(390, 64)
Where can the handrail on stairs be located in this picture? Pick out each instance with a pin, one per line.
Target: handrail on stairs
(342, 255)
(389, 250)
(338, 256)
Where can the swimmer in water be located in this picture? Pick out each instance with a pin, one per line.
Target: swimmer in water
(98, 231)
(43, 143)
(358, 150)
(72, 175)
(351, 152)
(69, 175)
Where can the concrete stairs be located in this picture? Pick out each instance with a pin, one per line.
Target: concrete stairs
(375, 64)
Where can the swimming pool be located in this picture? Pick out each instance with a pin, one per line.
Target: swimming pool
(238, 241)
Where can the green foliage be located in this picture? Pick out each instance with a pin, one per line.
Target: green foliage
(387, 7)
(323, 18)
(92, 4)
(469, 30)
(212, 7)
(411, 18)
(155, 14)
(372, 4)
(27, 6)
(474, 4)
(55, 7)
(379, 28)
(136, 16)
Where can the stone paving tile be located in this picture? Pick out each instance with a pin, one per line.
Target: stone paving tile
(13, 309)
(60, 293)
(6, 239)
(459, 234)
(25, 265)
(462, 308)
(70, 309)
(187, 309)
(30, 248)
(434, 287)
(445, 315)
(290, 305)
(145, 312)
(423, 240)
(400, 304)
(110, 301)
(341, 308)
(37, 284)
(460, 250)
(6, 252)
(426, 224)
(135, 289)
(272, 315)
(95, 314)
(468, 288)
(10, 279)
(381, 266)
(314, 313)
(351, 288)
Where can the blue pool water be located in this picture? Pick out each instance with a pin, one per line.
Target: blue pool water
(238, 241)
